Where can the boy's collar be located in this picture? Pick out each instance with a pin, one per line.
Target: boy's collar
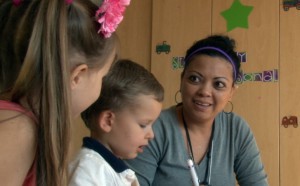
(116, 163)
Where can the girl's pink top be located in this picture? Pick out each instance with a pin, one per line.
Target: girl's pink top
(30, 179)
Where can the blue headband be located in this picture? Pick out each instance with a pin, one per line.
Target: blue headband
(216, 49)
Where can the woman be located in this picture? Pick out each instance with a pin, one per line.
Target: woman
(219, 146)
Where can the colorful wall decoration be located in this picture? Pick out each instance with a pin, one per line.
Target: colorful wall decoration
(242, 56)
(237, 15)
(163, 47)
(287, 4)
(264, 76)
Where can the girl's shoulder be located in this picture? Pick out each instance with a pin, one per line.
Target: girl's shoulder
(18, 133)
(13, 115)
(10, 111)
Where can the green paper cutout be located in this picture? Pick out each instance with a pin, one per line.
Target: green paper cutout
(237, 15)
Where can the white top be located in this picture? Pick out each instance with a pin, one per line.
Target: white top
(91, 169)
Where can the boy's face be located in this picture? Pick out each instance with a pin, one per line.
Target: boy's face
(132, 127)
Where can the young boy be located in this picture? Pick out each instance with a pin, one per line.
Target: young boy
(120, 122)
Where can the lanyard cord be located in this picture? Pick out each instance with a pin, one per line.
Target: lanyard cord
(188, 138)
(209, 153)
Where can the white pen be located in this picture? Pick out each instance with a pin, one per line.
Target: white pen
(193, 172)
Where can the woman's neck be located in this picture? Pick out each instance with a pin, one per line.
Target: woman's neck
(197, 136)
(203, 127)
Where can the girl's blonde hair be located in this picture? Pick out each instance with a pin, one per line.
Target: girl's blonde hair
(37, 40)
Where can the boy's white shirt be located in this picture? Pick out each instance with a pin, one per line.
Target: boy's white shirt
(90, 169)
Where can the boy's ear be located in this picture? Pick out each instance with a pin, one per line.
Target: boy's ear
(78, 74)
(105, 120)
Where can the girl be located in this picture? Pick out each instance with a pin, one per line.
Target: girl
(53, 55)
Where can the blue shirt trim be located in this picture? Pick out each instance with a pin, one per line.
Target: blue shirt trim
(116, 163)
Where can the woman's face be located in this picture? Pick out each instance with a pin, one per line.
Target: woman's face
(206, 87)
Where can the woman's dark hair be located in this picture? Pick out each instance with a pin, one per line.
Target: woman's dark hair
(224, 47)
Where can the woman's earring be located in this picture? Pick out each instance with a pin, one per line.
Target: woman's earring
(231, 108)
(176, 94)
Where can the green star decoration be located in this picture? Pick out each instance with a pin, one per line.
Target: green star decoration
(237, 15)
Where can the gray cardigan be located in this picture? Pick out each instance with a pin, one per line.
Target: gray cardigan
(235, 155)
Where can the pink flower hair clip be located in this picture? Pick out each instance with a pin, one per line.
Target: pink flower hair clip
(17, 2)
(110, 14)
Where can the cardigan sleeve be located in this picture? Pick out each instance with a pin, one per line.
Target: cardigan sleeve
(248, 166)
